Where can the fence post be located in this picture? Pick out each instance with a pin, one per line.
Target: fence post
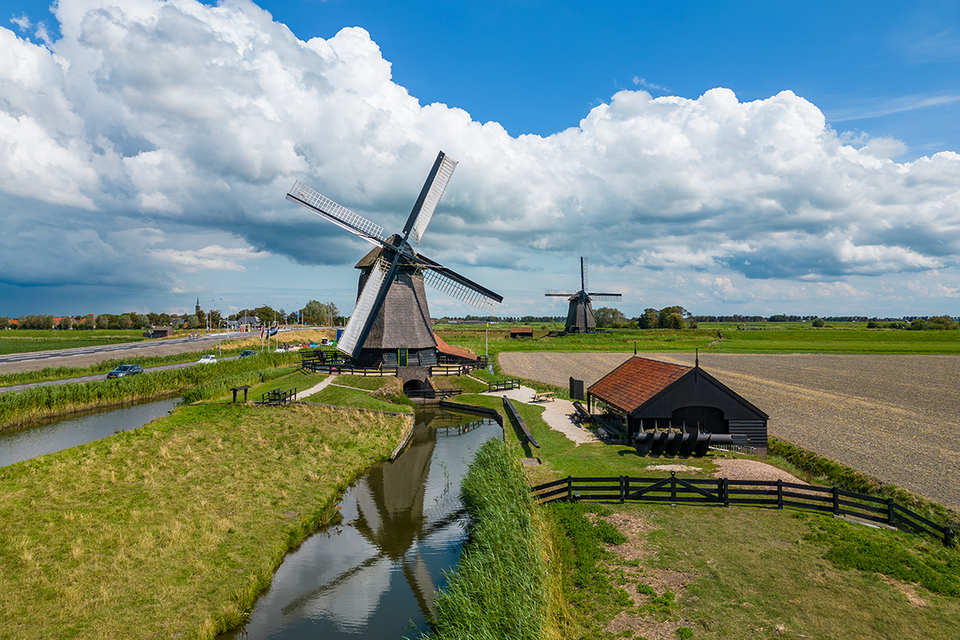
(836, 501)
(722, 488)
(779, 493)
(569, 489)
(673, 487)
(891, 513)
(622, 492)
(948, 536)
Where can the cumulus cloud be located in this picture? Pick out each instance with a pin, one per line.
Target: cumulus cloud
(196, 119)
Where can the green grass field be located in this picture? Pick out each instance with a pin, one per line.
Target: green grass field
(171, 530)
(718, 337)
(29, 340)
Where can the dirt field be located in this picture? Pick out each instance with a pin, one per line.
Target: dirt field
(895, 417)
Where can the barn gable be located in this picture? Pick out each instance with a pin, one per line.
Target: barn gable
(648, 392)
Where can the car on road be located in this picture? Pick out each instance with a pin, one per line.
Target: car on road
(248, 352)
(125, 370)
(207, 358)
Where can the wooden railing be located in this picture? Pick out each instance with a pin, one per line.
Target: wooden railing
(518, 421)
(726, 492)
(278, 396)
(503, 385)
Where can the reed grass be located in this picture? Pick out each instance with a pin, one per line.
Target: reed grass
(36, 403)
(500, 588)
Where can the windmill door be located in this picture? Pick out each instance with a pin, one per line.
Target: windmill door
(402, 357)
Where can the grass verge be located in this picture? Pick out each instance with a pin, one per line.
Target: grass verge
(171, 530)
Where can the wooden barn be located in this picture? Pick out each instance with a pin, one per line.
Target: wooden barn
(645, 392)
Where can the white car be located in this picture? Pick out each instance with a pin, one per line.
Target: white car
(208, 358)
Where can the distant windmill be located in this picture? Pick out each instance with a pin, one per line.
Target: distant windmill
(391, 322)
(580, 315)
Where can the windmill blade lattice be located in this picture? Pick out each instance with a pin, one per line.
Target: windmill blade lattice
(455, 285)
(335, 213)
(364, 309)
(605, 297)
(430, 195)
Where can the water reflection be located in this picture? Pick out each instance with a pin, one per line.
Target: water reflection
(376, 575)
(57, 435)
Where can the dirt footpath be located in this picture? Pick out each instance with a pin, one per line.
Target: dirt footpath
(158, 348)
(896, 417)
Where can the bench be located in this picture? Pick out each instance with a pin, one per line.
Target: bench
(243, 388)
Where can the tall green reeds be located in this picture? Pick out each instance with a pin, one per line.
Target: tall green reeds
(199, 382)
(500, 589)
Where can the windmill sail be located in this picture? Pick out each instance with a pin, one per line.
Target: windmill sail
(335, 213)
(350, 339)
(580, 314)
(456, 286)
(430, 195)
(400, 267)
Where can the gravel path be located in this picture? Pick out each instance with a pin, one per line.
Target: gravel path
(895, 417)
(556, 414)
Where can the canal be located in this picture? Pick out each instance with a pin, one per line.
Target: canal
(57, 435)
(376, 574)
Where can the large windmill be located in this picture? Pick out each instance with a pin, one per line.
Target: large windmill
(391, 322)
(580, 315)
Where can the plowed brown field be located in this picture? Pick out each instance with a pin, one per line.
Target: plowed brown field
(895, 417)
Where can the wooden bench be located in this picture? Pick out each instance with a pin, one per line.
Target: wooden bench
(243, 388)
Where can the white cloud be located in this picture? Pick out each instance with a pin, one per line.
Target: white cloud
(196, 119)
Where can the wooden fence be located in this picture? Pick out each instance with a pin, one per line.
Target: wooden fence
(726, 492)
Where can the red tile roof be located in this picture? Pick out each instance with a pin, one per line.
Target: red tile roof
(443, 347)
(636, 381)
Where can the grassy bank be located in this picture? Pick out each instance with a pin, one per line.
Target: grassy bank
(199, 382)
(171, 530)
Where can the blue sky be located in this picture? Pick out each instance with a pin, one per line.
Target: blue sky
(748, 157)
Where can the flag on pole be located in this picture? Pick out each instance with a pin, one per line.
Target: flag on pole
(262, 328)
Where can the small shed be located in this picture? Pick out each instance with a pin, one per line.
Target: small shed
(521, 332)
(647, 392)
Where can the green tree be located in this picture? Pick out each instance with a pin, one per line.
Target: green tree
(192, 322)
(609, 317)
(649, 320)
(124, 321)
(66, 323)
(665, 321)
(818, 322)
(941, 322)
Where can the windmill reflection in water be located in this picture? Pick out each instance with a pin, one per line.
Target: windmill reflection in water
(408, 513)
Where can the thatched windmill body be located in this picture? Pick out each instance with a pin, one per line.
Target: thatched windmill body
(580, 313)
(391, 322)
